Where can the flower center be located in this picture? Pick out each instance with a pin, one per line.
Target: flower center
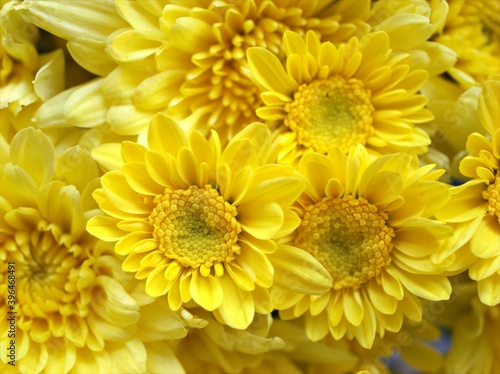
(492, 194)
(43, 268)
(195, 226)
(331, 112)
(349, 237)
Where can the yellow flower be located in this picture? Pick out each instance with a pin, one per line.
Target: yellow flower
(85, 25)
(217, 348)
(473, 328)
(369, 222)
(186, 59)
(474, 207)
(455, 112)
(302, 355)
(410, 25)
(206, 84)
(358, 93)
(472, 30)
(199, 223)
(26, 77)
(73, 303)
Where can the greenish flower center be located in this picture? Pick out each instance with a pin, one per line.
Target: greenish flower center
(329, 112)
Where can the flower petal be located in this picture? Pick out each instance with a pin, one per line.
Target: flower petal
(260, 218)
(269, 72)
(298, 271)
(206, 291)
(237, 308)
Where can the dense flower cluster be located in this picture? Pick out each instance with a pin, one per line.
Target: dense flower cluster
(278, 186)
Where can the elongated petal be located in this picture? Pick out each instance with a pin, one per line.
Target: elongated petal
(33, 151)
(426, 286)
(269, 72)
(298, 271)
(207, 291)
(237, 308)
(165, 135)
(260, 218)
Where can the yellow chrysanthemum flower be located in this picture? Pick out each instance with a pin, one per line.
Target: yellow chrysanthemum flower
(26, 77)
(188, 59)
(358, 93)
(85, 25)
(217, 348)
(301, 355)
(474, 207)
(473, 329)
(369, 222)
(410, 25)
(72, 307)
(472, 30)
(199, 223)
(455, 112)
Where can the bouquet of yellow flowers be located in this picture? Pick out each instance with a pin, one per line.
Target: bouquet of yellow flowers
(250, 186)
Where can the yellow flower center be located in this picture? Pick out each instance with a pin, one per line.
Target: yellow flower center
(331, 112)
(349, 237)
(43, 267)
(196, 226)
(492, 194)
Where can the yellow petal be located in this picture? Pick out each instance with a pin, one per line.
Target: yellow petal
(428, 287)
(133, 45)
(125, 245)
(262, 300)
(86, 107)
(165, 135)
(255, 263)
(157, 284)
(89, 53)
(121, 195)
(191, 34)
(282, 190)
(34, 152)
(365, 332)
(486, 241)
(489, 290)
(317, 326)
(237, 308)
(139, 179)
(353, 307)
(260, 218)
(269, 72)
(298, 271)
(240, 276)
(187, 166)
(380, 299)
(108, 156)
(488, 110)
(105, 228)
(406, 31)
(207, 291)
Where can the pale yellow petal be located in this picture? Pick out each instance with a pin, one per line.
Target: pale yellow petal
(268, 71)
(33, 151)
(298, 271)
(428, 287)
